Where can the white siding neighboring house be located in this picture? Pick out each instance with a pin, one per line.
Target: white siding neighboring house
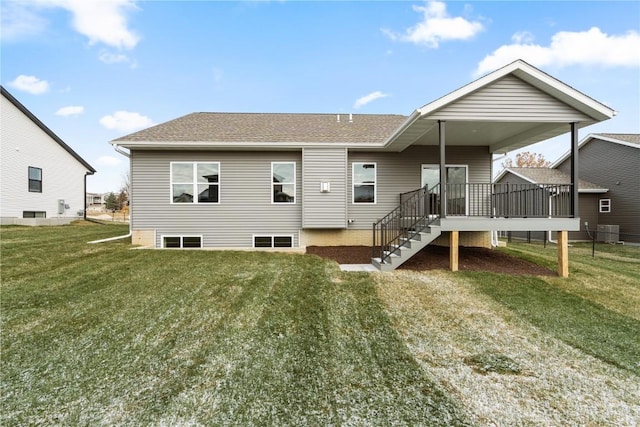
(43, 180)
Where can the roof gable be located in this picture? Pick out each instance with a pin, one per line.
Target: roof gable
(45, 129)
(625, 139)
(509, 99)
(533, 77)
(549, 176)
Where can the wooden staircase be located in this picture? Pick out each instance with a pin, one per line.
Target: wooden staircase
(407, 229)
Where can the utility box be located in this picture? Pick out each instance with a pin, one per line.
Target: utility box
(61, 206)
(608, 233)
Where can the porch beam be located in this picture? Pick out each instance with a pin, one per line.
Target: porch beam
(443, 169)
(574, 171)
(563, 253)
(453, 250)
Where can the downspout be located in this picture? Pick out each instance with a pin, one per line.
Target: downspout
(549, 232)
(109, 239)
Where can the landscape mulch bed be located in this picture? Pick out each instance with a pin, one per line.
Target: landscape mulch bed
(437, 257)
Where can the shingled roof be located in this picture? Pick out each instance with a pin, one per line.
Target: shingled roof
(632, 138)
(272, 127)
(553, 176)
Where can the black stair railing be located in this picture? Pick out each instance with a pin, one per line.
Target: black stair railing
(417, 210)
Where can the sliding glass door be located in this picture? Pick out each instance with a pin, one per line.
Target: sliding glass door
(456, 185)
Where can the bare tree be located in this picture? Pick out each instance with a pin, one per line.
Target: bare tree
(527, 159)
(125, 187)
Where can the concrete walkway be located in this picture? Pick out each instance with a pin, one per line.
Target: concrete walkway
(358, 267)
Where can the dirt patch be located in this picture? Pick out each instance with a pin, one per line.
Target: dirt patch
(437, 257)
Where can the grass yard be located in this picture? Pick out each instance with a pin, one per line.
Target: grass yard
(100, 334)
(103, 335)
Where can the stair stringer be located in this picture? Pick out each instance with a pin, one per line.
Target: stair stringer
(408, 249)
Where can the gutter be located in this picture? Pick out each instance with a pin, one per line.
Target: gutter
(110, 239)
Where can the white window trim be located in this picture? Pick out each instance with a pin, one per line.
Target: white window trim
(181, 236)
(353, 184)
(606, 205)
(194, 184)
(295, 187)
(272, 236)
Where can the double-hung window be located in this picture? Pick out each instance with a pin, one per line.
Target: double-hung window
(195, 182)
(283, 182)
(364, 182)
(605, 205)
(35, 180)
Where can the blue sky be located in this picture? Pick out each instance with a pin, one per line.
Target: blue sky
(96, 70)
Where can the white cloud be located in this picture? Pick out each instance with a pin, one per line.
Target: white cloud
(360, 102)
(19, 21)
(592, 47)
(113, 58)
(108, 161)
(436, 26)
(71, 110)
(30, 84)
(126, 121)
(101, 21)
(104, 21)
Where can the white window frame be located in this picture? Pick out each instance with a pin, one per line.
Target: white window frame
(272, 237)
(194, 183)
(181, 236)
(354, 183)
(272, 184)
(604, 205)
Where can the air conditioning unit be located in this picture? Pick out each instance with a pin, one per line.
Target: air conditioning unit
(608, 233)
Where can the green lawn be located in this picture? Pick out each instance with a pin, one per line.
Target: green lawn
(100, 334)
(106, 335)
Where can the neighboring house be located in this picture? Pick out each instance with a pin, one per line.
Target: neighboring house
(612, 161)
(43, 179)
(394, 182)
(96, 202)
(589, 195)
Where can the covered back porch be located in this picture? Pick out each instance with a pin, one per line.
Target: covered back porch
(511, 108)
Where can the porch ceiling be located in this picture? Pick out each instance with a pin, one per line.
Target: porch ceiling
(500, 137)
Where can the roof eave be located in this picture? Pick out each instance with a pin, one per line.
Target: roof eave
(240, 145)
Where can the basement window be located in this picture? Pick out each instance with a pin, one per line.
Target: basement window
(605, 205)
(182, 242)
(34, 214)
(272, 241)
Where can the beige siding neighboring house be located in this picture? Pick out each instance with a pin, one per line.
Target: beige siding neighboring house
(43, 180)
(393, 182)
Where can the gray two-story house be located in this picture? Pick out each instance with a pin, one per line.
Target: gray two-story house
(397, 183)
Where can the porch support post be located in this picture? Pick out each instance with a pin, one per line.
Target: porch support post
(443, 171)
(453, 250)
(563, 253)
(574, 171)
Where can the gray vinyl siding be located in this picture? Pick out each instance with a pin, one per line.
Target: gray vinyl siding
(245, 207)
(324, 210)
(510, 99)
(615, 167)
(400, 172)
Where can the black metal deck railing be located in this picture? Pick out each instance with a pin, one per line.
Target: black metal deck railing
(420, 208)
(509, 200)
(417, 209)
